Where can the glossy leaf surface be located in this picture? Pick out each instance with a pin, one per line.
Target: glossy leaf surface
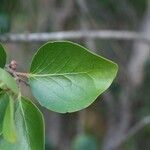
(66, 77)
(7, 82)
(4, 99)
(30, 128)
(9, 129)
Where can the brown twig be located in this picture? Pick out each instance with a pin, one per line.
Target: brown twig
(17, 75)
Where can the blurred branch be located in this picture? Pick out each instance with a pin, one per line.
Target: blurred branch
(131, 132)
(135, 70)
(137, 127)
(94, 34)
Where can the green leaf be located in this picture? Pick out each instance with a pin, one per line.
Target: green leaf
(4, 99)
(7, 82)
(30, 128)
(2, 56)
(66, 77)
(9, 130)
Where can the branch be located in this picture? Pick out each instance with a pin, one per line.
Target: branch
(145, 121)
(137, 127)
(62, 35)
(17, 75)
(131, 132)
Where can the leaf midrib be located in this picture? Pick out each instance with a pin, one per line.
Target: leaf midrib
(26, 128)
(59, 74)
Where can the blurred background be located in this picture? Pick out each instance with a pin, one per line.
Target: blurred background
(120, 118)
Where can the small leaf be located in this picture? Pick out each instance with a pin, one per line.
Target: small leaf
(9, 130)
(8, 82)
(30, 128)
(66, 77)
(2, 56)
(4, 99)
